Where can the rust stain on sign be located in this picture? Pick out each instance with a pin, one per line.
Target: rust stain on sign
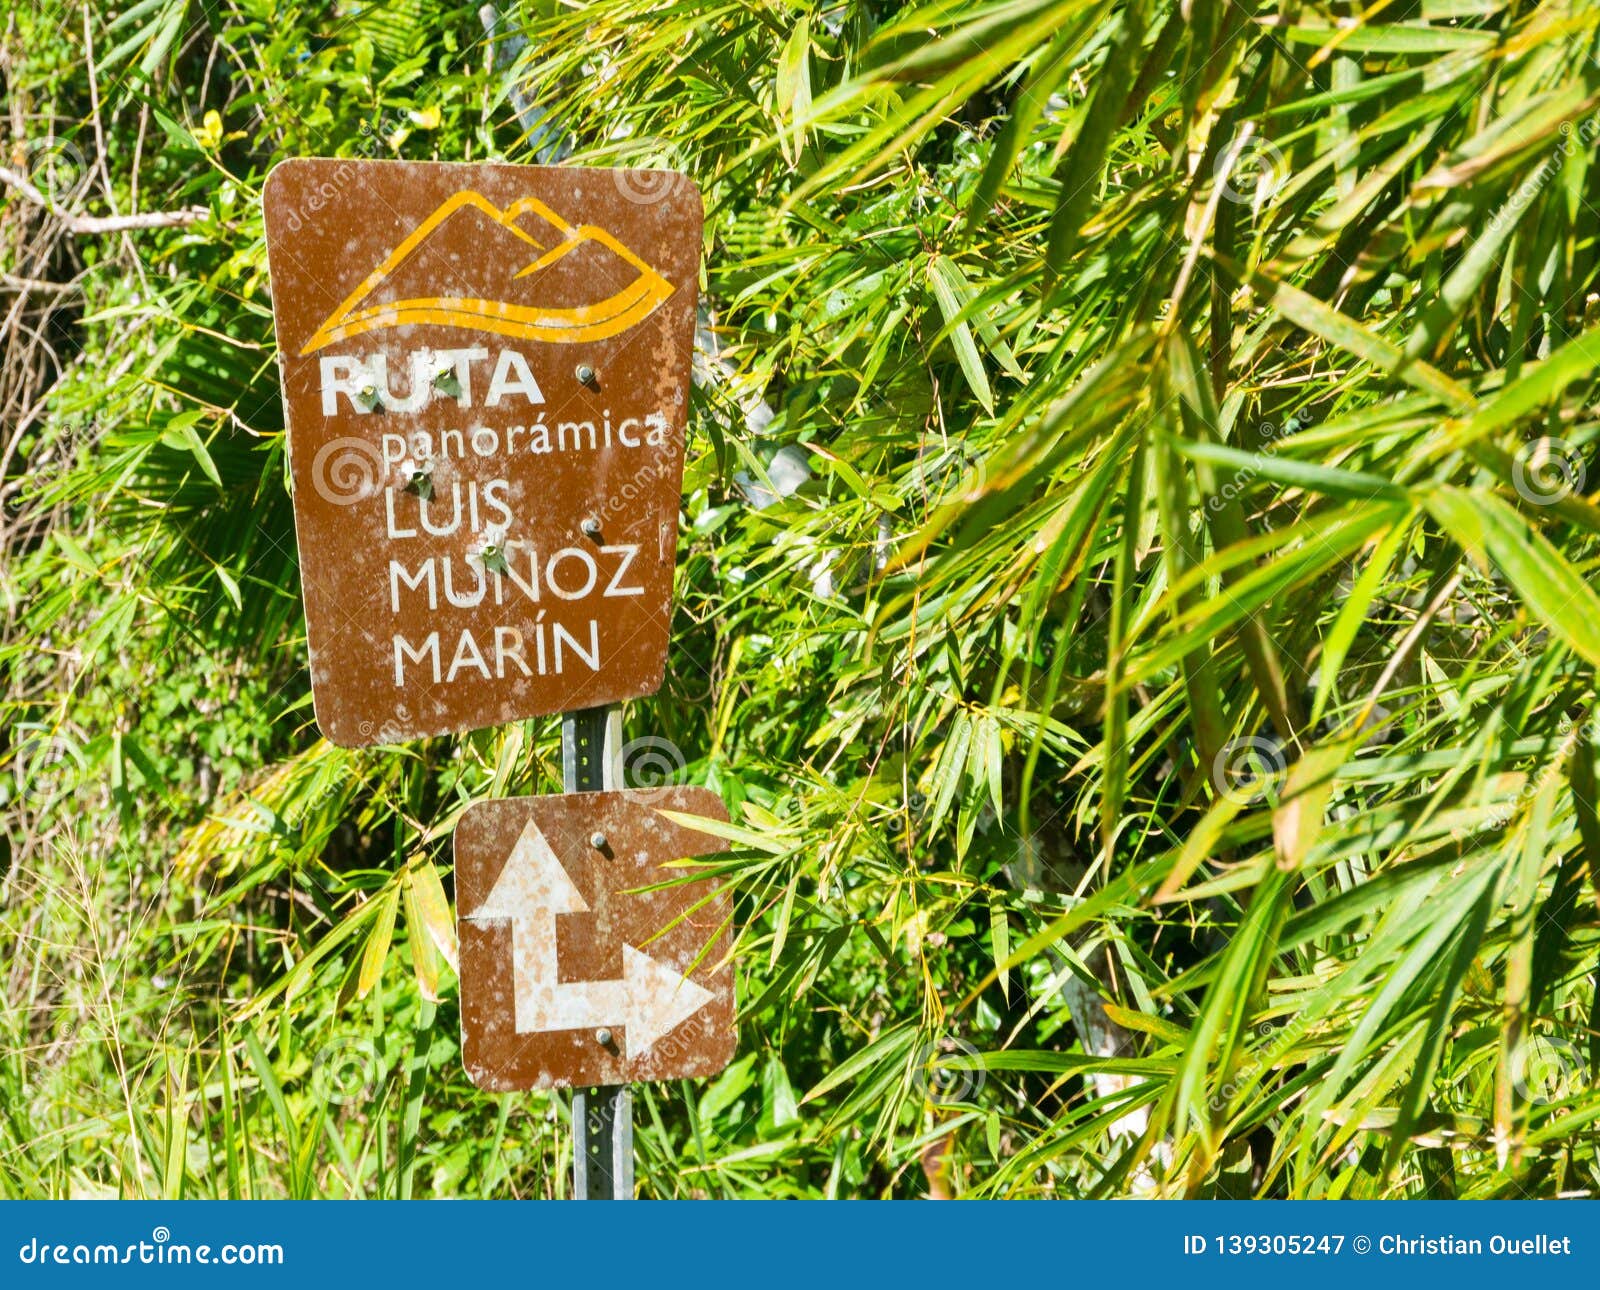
(485, 375)
(570, 972)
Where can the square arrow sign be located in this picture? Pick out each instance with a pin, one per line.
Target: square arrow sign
(578, 964)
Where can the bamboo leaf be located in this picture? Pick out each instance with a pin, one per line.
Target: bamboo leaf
(1554, 592)
(1298, 817)
(378, 939)
(1000, 942)
(794, 87)
(953, 293)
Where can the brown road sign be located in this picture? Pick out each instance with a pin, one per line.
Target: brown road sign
(485, 375)
(570, 973)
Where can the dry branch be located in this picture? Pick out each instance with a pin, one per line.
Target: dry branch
(87, 225)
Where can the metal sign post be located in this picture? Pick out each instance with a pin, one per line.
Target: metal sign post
(485, 375)
(485, 372)
(587, 961)
(602, 1117)
(602, 1135)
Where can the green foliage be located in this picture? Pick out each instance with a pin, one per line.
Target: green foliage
(1159, 730)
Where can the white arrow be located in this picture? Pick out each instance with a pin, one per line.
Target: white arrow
(652, 998)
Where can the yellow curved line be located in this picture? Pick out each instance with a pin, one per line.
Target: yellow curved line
(557, 326)
(533, 204)
(607, 318)
(576, 238)
(630, 298)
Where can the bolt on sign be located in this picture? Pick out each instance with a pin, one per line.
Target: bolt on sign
(485, 372)
(577, 965)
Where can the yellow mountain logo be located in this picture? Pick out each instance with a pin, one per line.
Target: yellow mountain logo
(452, 270)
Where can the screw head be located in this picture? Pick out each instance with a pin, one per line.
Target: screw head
(603, 1035)
(585, 374)
(597, 840)
(590, 526)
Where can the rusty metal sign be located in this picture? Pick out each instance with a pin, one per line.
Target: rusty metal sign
(577, 965)
(485, 376)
